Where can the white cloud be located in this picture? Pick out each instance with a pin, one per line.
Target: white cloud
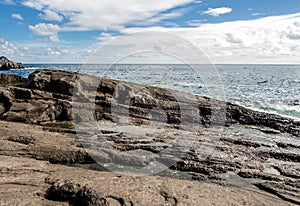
(164, 16)
(43, 52)
(233, 39)
(218, 11)
(105, 37)
(17, 16)
(33, 4)
(8, 49)
(43, 29)
(265, 40)
(297, 24)
(7, 1)
(54, 38)
(294, 31)
(51, 16)
(102, 15)
(65, 51)
(196, 23)
(161, 18)
(258, 14)
(52, 52)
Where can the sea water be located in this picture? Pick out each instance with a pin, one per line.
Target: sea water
(269, 88)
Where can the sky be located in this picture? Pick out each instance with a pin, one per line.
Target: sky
(227, 31)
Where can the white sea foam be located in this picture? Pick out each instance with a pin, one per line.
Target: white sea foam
(292, 112)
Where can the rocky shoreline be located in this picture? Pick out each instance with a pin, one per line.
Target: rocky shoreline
(6, 64)
(253, 157)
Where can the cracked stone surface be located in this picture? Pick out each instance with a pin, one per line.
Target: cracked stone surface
(26, 181)
(253, 159)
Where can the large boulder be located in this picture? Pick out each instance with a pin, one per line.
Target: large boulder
(54, 81)
(6, 64)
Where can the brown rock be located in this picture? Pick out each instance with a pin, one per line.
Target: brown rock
(139, 100)
(10, 79)
(26, 182)
(254, 148)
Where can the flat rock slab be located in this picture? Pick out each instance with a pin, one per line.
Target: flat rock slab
(235, 161)
(36, 142)
(31, 182)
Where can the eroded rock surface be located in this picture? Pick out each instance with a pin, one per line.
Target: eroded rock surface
(256, 152)
(22, 140)
(139, 100)
(11, 80)
(30, 182)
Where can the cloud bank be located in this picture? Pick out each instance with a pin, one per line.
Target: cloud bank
(85, 15)
(267, 40)
(272, 39)
(43, 29)
(50, 16)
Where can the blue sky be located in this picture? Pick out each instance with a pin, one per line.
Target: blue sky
(228, 31)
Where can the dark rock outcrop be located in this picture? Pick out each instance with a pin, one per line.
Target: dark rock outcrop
(6, 64)
(33, 106)
(56, 82)
(58, 86)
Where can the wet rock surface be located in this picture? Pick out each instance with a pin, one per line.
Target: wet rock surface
(251, 158)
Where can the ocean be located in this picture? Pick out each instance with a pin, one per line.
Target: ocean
(268, 88)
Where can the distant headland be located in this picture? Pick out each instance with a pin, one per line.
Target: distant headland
(6, 64)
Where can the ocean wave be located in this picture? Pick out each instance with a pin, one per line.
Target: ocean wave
(289, 111)
(193, 85)
(33, 68)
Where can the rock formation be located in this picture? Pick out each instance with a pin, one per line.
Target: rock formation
(12, 80)
(30, 182)
(6, 64)
(51, 94)
(245, 157)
